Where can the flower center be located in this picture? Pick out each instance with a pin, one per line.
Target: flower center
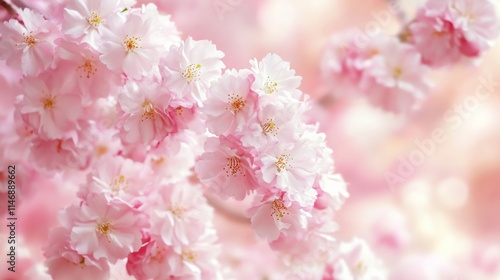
(82, 261)
(94, 20)
(237, 103)
(101, 150)
(131, 43)
(270, 127)
(87, 67)
(177, 211)
(270, 87)
(397, 73)
(29, 39)
(279, 209)
(282, 163)
(148, 110)
(233, 165)
(187, 256)
(119, 184)
(104, 228)
(159, 254)
(192, 73)
(48, 102)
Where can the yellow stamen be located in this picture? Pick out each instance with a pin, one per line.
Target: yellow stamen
(119, 184)
(104, 228)
(233, 165)
(48, 102)
(237, 103)
(187, 256)
(88, 68)
(279, 209)
(282, 163)
(94, 20)
(148, 110)
(192, 73)
(177, 211)
(131, 43)
(270, 87)
(270, 127)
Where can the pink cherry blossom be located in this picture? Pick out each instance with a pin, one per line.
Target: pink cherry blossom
(132, 43)
(274, 77)
(198, 260)
(290, 168)
(118, 177)
(84, 19)
(92, 78)
(396, 79)
(355, 260)
(275, 215)
(191, 67)
(63, 262)
(50, 104)
(273, 122)
(444, 31)
(226, 168)
(179, 214)
(105, 228)
(28, 46)
(151, 261)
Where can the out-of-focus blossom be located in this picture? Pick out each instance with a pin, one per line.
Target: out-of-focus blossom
(444, 31)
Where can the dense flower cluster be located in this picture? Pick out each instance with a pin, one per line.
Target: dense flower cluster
(114, 101)
(261, 145)
(391, 72)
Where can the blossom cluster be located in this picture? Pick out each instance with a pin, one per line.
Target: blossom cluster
(392, 71)
(111, 91)
(260, 146)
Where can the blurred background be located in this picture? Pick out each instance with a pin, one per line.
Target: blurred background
(430, 210)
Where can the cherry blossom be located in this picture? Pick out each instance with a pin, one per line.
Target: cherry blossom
(191, 67)
(145, 118)
(105, 228)
(444, 31)
(28, 46)
(132, 43)
(229, 105)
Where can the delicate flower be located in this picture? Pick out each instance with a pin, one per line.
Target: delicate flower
(52, 107)
(273, 77)
(179, 213)
(275, 215)
(29, 46)
(355, 260)
(273, 122)
(132, 44)
(291, 168)
(151, 261)
(105, 227)
(64, 263)
(191, 67)
(92, 79)
(225, 168)
(198, 260)
(229, 105)
(84, 19)
(396, 80)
